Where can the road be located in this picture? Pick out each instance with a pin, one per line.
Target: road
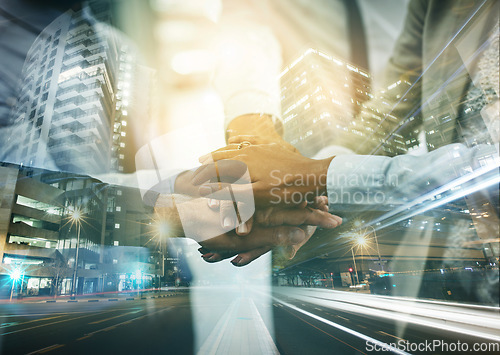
(164, 326)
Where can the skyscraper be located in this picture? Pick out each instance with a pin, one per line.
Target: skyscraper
(67, 117)
(322, 101)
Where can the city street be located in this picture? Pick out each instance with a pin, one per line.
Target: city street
(164, 325)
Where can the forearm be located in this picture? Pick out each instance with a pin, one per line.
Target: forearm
(254, 124)
(358, 182)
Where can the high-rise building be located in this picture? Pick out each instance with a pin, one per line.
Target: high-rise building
(67, 116)
(322, 101)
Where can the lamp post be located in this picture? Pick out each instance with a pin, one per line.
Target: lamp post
(75, 217)
(359, 241)
(378, 249)
(355, 268)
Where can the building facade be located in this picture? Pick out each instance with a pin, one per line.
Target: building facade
(39, 233)
(69, 116)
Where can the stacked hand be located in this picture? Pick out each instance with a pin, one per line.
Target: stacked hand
(269, 228)
(276, 173)
(203, 220)
(278, 176)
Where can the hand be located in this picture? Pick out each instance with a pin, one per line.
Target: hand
(179, 215)
(305, 217)
(277, 176)
(315, 214)
(244, 258)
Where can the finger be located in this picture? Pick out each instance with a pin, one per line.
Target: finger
(203, 250)
(228, 217)
(225, 168)
(217, 256)
(288, 252)
(244, 211)
(247, 257)
(213, 204)
(221, 154)
(208, 157)
(225, 191)
(297, 217)
(246, 138)
(245, 228)
(321, 203)
(260, 237)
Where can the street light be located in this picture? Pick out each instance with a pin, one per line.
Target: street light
(76, 216)
(358, 224)
(359, 241)
(15, 276)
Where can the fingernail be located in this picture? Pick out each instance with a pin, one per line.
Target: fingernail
(213, 203)
(236, 260)
(242, 228)
(207, 255)
(204, 190)
(212, 258)
(297, 236)
(203, 250)
(227, 222)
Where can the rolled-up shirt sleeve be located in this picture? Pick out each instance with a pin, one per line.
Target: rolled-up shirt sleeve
(359, 182)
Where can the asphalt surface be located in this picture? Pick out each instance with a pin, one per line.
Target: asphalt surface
(164, 326)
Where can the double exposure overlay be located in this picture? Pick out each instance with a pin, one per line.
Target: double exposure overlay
(254, 177)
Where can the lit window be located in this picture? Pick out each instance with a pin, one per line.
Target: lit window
(118, 208)
(116, 243)
(117, 225)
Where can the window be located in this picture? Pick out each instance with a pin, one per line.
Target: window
(119, 192)
(117, 225)
(52, 62)
(45, 96)
(49, 74)
(39, 122)
(37, 91)
(58, 32)
(116, 243)
(32, 114)
(55, 43)
(118, 209)
(53, 53)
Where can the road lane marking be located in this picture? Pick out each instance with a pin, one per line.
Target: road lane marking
(88, 335)
(321, 330)
(342, 318)
(44, 325)
(47, 349)
(319, 309)
(384, 333)
(84, 337)
(7, 325)
(118, 316)
(345, 329)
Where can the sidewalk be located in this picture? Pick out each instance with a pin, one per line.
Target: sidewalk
(102, 297)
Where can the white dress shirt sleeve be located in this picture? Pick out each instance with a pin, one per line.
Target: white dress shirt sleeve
(359, 182)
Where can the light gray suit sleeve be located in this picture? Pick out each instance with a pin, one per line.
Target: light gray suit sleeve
(360, 182)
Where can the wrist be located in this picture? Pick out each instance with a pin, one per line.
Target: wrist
(254, 124)
(319, 169)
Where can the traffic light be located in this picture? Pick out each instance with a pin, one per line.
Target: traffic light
(350, 270)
